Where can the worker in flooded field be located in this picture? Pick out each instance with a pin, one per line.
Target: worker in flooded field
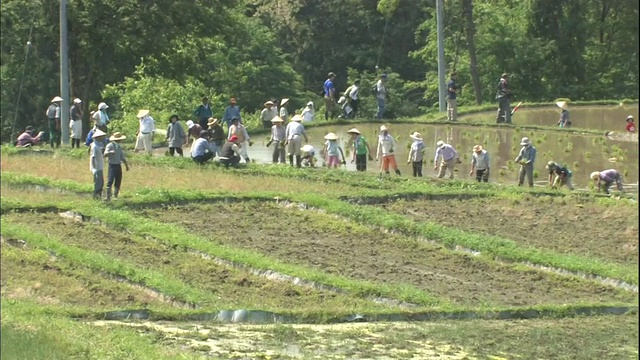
(564, 121)
(308, 154)
(360, 150)
(387, 149)
(450, 158)
(278, 139)
(631, 126)
(416, 154)
(526, 158)
(559, 175)
(605, 178)
(480, 164)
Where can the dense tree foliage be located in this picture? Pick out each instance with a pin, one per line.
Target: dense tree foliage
(164, 54)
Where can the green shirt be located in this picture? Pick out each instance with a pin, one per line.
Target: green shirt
(361, 145)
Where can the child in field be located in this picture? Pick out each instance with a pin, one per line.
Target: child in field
(416, 153)
(562, 175)
(360, 150)
(631, 126)
(96, 162)
(308, 156)
(333, 151)
(114, 152)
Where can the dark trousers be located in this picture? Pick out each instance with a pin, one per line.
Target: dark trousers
(482, 175)
(417, 168)
(203, 123)
(361, 162)
(98, 184)
(75, 143)
(173, 150)
(354, 106)
(201, 159)
(278, 153)
(267, 124)
(114, 176)
(54, 133)
(233, 161)
(504, 110)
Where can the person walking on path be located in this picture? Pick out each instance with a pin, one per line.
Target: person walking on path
(631, 126)
(450, 158)
(360, 150)
(503, 95)
(75, 123)
(230, 112)
(241, 133)
(452, 104)
(416, 154)
(386, 149)
(480, 164)
(176, 136)
(562, 175)
(353, 96)
(278, 139)
(381, 95)
(230, 154)
(294, 133)
(284, 113)
(308, 113)
(203, 112)
(216, 135)
(605, 178)
(114, 152)
(145, 132)
(101, 118)
(201, 150)
(267, 114)
(526, 158)
(564, 121)
(333, 151)
(329, 93)
(96, 162)
(53, 115)
(193, 130)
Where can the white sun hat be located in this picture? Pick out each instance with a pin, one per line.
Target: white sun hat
(331, 136)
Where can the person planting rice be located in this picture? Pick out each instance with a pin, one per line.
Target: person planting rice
(27, 139)
(96, 162)
(294, 133)
(308, 154)
(526, 158)
(562, 175)
(278, 139)
(605, 178)
(333, 151)
(480, 164)
(416, 154)
(386, 148)
(360, 150)
(113, 151)
(450, 158)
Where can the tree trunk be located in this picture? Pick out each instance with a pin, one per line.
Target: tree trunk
(470, 29)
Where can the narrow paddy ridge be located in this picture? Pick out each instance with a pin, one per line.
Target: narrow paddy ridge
(564, 225)
(344, 248)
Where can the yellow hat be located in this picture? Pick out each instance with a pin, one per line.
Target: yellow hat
(331, 136)
(142, 113)
(117, 136)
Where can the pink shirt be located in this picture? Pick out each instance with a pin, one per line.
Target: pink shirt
(26, 138)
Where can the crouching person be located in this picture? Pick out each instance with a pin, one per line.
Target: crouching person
(201, 150)
(308, 154)
(230, 152)
(562, 175)
(604, 179)
(113, 151)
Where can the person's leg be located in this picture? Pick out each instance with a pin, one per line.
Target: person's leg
(380, 112)
(58, 137)
(282, 154)
(607, 186)
(521, 174)
(172, 151)
(485, 175)
(451, 164)
(479, 175)
(443, 168)
(361, 162)
(148, 143)
(420, 168)
(354, 105)
(98, 184)
(530, 175)
(507, 110)
(385, 164)
(203, 124)
(454, 106)
(111, 176)
(139, 142)
(449, 110)
(393, 164)
(52, 129)
(500, 118)
(118, 175)
(568, 182)
(275, 154)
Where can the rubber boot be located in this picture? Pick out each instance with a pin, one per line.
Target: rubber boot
(398, 172)
(108, 198)
(291, 159)
(247, 160)
(299, 161)
(116, 192)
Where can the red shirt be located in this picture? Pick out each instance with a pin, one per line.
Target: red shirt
(631, 127)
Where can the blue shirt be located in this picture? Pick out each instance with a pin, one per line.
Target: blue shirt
(527, 153)
(328, 86)
(451, 85)
(203, 111)
(332, 148)
(229, 113)
(200, 147)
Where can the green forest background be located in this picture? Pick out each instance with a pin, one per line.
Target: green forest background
(163, 55)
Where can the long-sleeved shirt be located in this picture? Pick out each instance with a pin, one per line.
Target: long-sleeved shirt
(480, 161)
(447, 151)
(284, 114)
(609, 175)
(527, 153)
(75, 112)
(96, 161)
(278, 133)
(267, 114)
(381, 92)
(416, 151)
(113, 151)
(175, 135)
(147, 125)
(26, 138)
(307, 114)
(294, 128)
(203, 111)
(230, 112)
(353, 92)
(240, 131)
(216, 133)
(386, 145)
(200, 147)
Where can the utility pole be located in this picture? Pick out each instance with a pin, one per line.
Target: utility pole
(64, 73)
(441, 70)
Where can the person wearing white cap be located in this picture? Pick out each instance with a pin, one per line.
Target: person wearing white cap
(114, 152)
(386, 149)
(96, 162)
(278, 138)
(100, 117)
(333, 151)
(75, 123)
(308, 154)
(53, 114)
(631, 126)
(416, 154)
(480, 164)
(308, 113)
(294, 133)
(267, 114)
(360, 150)
(526, 158)
(353, 97)
(449, 159)
(563, 122)
(284, 113)
(193, 130)
(605, 178)
(145, 132)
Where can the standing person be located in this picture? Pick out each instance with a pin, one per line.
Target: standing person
(329, 93)
(193, 130)
(564, 121)
(308, 113)
(360, 150)
(230, 112)
(27, 139)
(386, 149)
(96, 162)
(53, 114)
(216, 135)
(201, 150)
(113, 151)
(294, 133)
(278, 139)
(480, 164)
(605, 178)
(416, 154)
(145, 132)
(75, 123)
(101, 118)
(450, 158)
(381, 95)
(526, 158)
(562, 175)
(452, 104)
(631, 126)
(353, 96)
(241, 133)
(203, 112)
(267, 114)
(333, 151)
(230, 154)
(284, 113)
(503, 95)
(176, 136)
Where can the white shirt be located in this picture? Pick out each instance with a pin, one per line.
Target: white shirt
(147, 125)
(294, 128)
(382, 90)
(307, 114)
(96, 161)
(386, 145)
(353, 93)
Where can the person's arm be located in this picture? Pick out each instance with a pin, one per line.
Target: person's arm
(435, 159)
(473, 165)
(411, 152)
(236, 149)
(551, 178)
(379, 149)
(153, 125)
(196, 112)
(520, 154)
(353, 155)
(93, 159)
(344, 161)
(232, 129)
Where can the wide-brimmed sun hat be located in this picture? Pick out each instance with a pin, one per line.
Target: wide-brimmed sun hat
(103, 106)
(595, 175)
(117, 136)
(142, 113)
(551, 165)
(477, 148)
(284, 101)
(416, 136)
(268, 103)
(212, 121)
(562, 105)
(331, 136)
(99, 133)
(384, 128)
(277, 119)
(77, 101)
(307, 148)
(353, 131)
(525, 141)
(296, 118)
(440, 143)
(630, 117)
(56, 99)
(190, 124)
(310, 103)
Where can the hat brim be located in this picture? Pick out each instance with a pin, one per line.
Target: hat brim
(525, 143)
(113, 138)
(143, 113)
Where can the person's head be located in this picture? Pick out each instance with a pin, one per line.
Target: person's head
(630, 119)
(384, 130)
(505, 75)
(268, 104)
(552, 165)
(383, 77)
(233, 139)
(117, 137)
(190, 124)
(440, 144)
(296, 118)
(477, 149)
(416, 136)
(357, 82)
(595, 175)
(310, 104)
(103, 106)
(56, 100)
(453, 75)
(525, 142)
(174, 118)
(204, 134)
(331, 137)
(284, 102)
(77, 101)
(232, 101)
(331, 76)
(205, 100)
(277, 121)
(29, 129)
(353, 132)
(235, 120)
